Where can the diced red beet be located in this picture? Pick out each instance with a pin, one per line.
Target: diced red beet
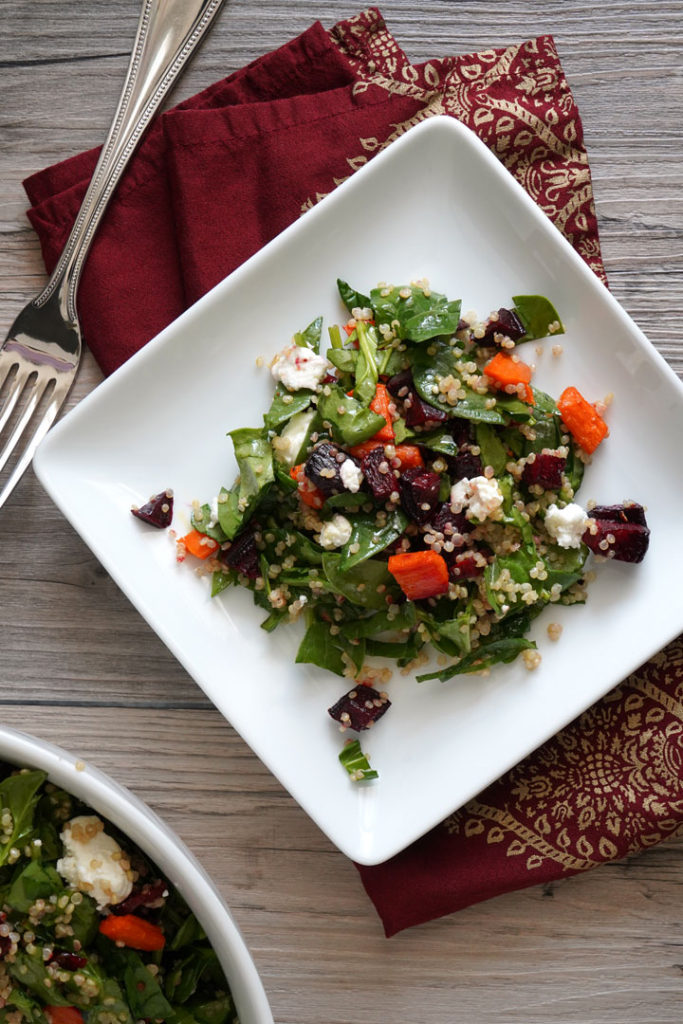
(465, 464)
(323, 468)
(146, 896)
(448, 522)
(504, 322)
(416, 412)
(381, 482)
(360, 708)
(243, 554)
(158, 511)
(398, 382)
(419, 490)
(68, 961)
(465, 567)
(629, 541)
(629, 512)
(546, 471)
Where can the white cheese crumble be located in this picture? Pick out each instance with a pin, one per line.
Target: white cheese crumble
(566, 525)
(94, 863)
(480, 496)
(299, 367)
(351, 475)
(287, 445)
(335, 532)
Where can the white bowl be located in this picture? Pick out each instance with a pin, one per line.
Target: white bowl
(163, 847)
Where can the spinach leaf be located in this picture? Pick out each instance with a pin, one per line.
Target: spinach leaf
(441, 442)
(30, 971)
(367, 539)
(428, 366)
(382, 622)
(350, 421)
(35, 881)
(351, 298)
(344, 359)
(564, 566)
(286, 404)
(212, 1011)
(310, 336)
(485, 656)
(537, 314)
(206, 525)
(293, 440)
(317, 648)
(356, 763)
(221, 579)
(255, 465)
(359, 584)
(417, 316)
(493, 451)
(146, 1000)
(366, 366)
(19, 794)
(183, 980)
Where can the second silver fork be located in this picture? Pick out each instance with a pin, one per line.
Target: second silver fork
(41, 354)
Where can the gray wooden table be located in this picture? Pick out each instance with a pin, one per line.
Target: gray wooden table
(80, 667)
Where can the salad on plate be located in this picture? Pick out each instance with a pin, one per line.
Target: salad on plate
(411, 493)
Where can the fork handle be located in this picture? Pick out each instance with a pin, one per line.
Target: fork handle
(168, 33)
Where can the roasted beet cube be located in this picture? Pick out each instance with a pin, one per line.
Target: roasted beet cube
(624, 541)
(416, 412)
(505, 322)
(629, 512)
(400, 384)
(466, 566)
(243, 555)
(448, 522)
(68, 961)
(465, 464)
(546, 471)
(378, 474)
(324, 468)
(419, 490)
(158, 511)
(360, 708)
(151, 894)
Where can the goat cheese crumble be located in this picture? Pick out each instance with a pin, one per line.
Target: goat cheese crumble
(566, 525)
(299, 367)
(335, 532)
(351, 475)
(94, 862)
(480, 496)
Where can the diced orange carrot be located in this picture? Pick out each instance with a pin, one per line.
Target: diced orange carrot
(308, 492)
(365, 447)
(419, 574)
(380, 405)
(133, 931)
(506, 370)
(198, 544)
(583, 421)
(63, 1015)
(409, 455)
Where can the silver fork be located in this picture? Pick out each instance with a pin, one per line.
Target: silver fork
(42, 352)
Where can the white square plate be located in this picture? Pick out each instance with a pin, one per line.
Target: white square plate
(434, 204)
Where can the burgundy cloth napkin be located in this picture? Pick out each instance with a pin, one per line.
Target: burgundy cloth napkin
(219, 176)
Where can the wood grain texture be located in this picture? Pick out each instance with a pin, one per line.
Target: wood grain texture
(80, 667)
